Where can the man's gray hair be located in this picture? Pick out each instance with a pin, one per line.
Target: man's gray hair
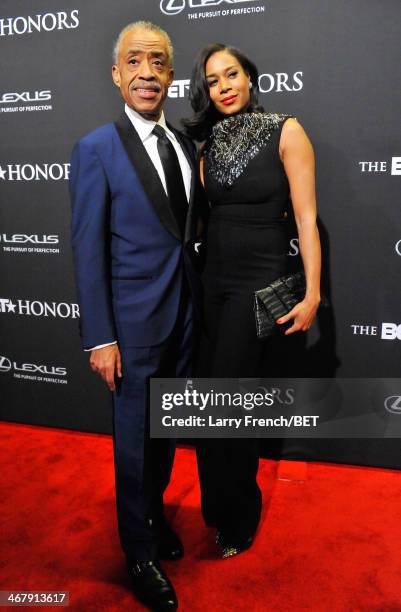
(144, 25)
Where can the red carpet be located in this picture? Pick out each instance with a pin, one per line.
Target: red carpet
(330, 538)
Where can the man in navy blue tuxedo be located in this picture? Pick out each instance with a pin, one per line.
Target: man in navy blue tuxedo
(136, 203)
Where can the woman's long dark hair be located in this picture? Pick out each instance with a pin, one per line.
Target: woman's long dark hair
(205, 114)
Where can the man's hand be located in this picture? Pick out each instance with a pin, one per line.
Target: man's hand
(106, 361)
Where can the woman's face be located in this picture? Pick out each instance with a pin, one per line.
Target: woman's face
(228, 83)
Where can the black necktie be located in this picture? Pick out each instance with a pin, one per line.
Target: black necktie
(172, 172)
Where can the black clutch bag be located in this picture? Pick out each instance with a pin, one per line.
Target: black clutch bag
(276, 300)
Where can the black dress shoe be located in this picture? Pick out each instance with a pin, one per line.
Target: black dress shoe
(151, 586)
(170, 547)
(231, 546)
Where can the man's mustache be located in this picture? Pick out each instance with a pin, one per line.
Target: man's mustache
(148, 86)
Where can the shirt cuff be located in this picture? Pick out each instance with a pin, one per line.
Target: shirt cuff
(99, 346)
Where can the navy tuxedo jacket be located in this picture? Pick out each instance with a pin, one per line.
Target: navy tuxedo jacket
(130, 259)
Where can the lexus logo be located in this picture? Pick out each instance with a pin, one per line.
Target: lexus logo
(398, 247)
(25, 96)
(30, 368)
(393, 404)
(29, 238)
(5, 364)
(172, 7)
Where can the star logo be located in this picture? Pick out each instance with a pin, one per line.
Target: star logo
(11, 307)
(2, 173)
(7, 305)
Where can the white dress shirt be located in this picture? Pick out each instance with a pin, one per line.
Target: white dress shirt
(144, 129)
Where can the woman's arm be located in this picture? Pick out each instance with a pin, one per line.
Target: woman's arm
(297, 156)
(201, 174)
(200, 230)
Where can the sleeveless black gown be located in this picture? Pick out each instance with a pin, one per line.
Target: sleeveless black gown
(246, 246)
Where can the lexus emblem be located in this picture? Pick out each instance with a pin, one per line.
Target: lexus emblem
(5, 364)
(393, 404)
(172, 7)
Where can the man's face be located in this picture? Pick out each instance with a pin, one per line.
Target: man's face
(144, 71)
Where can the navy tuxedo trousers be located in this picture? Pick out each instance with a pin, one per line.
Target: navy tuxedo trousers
(143, 465)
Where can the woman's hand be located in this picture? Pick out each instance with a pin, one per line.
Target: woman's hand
(303, 313)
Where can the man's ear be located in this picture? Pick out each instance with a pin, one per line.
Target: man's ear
(170, 76)
(115, 73)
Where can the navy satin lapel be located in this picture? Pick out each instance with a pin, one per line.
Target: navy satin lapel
(147, 174)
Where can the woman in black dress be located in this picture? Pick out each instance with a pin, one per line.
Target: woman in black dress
(250, 164)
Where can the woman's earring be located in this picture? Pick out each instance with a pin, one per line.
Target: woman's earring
(250, 85)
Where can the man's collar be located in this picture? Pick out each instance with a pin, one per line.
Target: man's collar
(144, 126)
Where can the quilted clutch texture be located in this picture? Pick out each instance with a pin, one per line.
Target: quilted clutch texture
(276, 300)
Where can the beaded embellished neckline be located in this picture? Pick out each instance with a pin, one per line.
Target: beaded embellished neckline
(236, 140)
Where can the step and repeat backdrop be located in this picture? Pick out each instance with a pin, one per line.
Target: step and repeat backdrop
(334, 65)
